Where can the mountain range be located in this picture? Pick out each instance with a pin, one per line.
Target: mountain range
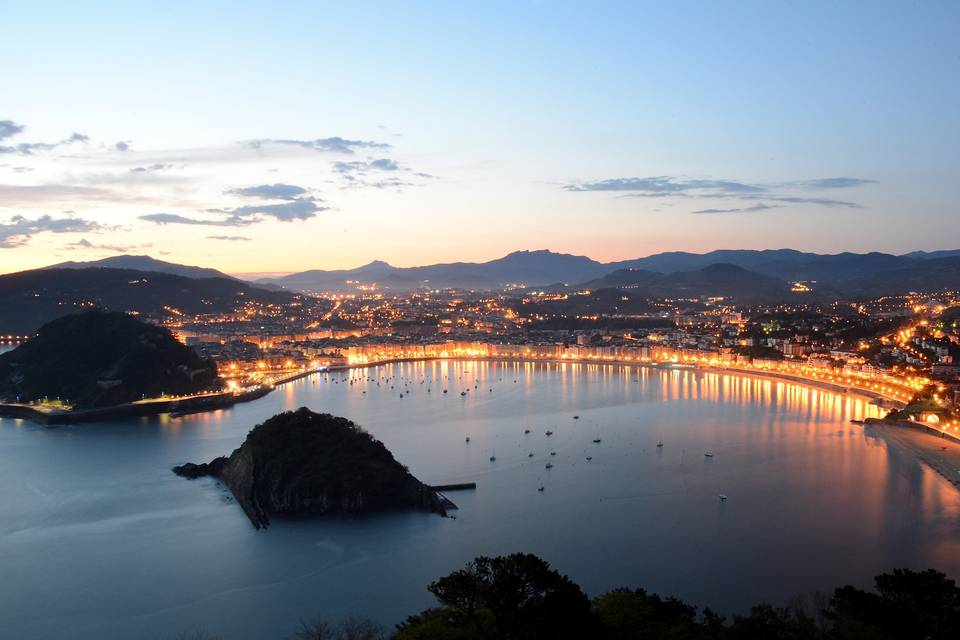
(836, 274)
(29, 299)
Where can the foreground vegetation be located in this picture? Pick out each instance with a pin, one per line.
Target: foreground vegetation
(519, 597)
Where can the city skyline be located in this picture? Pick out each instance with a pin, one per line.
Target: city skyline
(429, 134)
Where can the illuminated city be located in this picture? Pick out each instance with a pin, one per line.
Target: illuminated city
(520, 320)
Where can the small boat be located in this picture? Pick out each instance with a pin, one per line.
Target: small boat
(576, 417)
(468, 439)
(589, 458)
(444, 390)
(553, 453)
(540, 489)
(707, 455)
(722, 497)
(549, 433)
(549, 466)
(529, 455)
(526, 430)
(463, 393)
(596, 441)
(493, 458)
(659, 443)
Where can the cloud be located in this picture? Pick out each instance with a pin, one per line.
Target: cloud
(85, 244)
(152, 168)
(760, 206)
(29, 148)
(9, 128)
(665, 185)
(230, 238)
(298, 209)
(673, 186)
(18, 195)
(335, 144)
(270, 191)
(819, 184)
(123, 145)
(361, 167)
(823, 202)
(173, 218)
(19, 230)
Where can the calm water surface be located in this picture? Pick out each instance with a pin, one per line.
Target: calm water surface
(99, 539)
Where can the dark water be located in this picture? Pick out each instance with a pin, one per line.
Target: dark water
(98, 539)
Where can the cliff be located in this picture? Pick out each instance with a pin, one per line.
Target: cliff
(305, 464)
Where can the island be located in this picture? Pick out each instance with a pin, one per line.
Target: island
(301, 463)
(99, 359)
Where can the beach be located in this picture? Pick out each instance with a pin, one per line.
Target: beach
(941, 454)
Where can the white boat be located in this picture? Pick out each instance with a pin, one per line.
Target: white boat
(723, 497)
(707, 455)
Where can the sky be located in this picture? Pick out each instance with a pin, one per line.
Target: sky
(277, 137)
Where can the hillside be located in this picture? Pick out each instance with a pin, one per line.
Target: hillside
(723, 280)
(529, 267)
(29, 299)
(144, 263)
(97, 359)
(303, 463)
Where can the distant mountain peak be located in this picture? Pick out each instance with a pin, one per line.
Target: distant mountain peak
(144, 263)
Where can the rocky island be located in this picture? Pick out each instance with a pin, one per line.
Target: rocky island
(302, 463)
(101, 359)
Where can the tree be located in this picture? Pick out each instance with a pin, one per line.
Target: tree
(515, 597)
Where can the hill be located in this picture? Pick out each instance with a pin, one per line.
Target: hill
(29, 299)
(144, 263)
(303, 463)
(520, 267)
(722, 280)
(97, 359)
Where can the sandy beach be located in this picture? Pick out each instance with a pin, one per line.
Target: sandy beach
(939, 453)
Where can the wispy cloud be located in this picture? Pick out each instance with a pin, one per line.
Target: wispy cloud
(298, 209)
(820, 184)
(85, 245)
(359, 166)
(706, 189)
(9, 128)
(665, 185)
(822, 202)
(174, 218)
(335, 144)
(760, 206)
(29, 148)
(19, 229)
(230, 238)
(269, 191)
(152, 168)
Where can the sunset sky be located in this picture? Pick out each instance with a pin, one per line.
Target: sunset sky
(322, 135)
